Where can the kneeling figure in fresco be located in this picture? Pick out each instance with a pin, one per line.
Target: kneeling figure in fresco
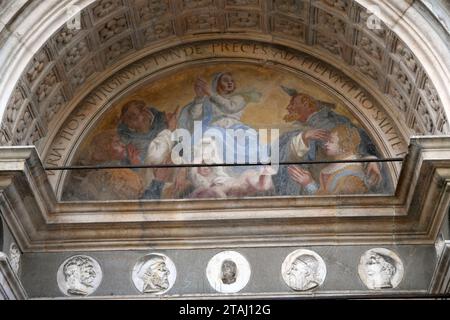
(336, 178)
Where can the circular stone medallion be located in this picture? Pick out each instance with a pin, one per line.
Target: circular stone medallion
(303, 270)
(380, 269)
(154, 273)
(79, 276)
(228, 272)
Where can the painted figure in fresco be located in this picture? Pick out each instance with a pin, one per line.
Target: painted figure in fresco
(156, 276)
(113, 184)
(149, 132)
(214, 182)
(315, 120)
(139, 125)
(220, 107)
(229, 272)
(304, 273)
(380, 270)
(336, 178)
(79, 274)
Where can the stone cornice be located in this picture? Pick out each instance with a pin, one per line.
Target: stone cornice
(413, 215)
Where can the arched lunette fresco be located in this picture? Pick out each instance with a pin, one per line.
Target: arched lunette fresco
(154, 69)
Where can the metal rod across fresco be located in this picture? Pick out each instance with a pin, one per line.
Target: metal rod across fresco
(203, 165)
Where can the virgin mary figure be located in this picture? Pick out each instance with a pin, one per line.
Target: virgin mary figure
(219, 108)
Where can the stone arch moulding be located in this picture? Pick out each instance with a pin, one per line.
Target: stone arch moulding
(63, 145)
(35, 22)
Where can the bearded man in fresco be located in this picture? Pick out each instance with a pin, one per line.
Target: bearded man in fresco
(315, 119)
(148, 133)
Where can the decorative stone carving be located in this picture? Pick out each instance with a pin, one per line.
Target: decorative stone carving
(407, 57)
(303, 270)
(366, 67)
(331, 45)
(340, 5)
(79, 275)
(194, 4)
(54, 106)
(425, 116)
(113, 27)
(203, 21)
(46, 86)
(64, 37)
(401, 101)
(371, 47)
(244, 19)
(432, 96)
(154, 273)
(4, 136)
(106, 7)
(81, 73)
(228, 272)
(23, 125)
(118, 49)
(150, 9)
(37, 66)
(331, 23)
(402, 79)
(35, 135)
(158, 30)
(14, 107)
(254, 3)
(380, 269)
(288, 27)
(14, 257)
(75, 54)
(294, 7)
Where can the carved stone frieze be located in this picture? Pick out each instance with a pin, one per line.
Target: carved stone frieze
(331, 45)
(105, 7)
(37, 66)
(244, 20)
(290, 7)
(246, 3)
(407, 57)
(195, 4)
(148, 10)
(14, 107)
(76, 54)
(370, 47)
(46, 86)
(339, 5)
(288, 27)
(118, 49)
(331, 23)
(366, 67)
(80, 74)
(113, 27)
(158, 30)
(201, 22)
